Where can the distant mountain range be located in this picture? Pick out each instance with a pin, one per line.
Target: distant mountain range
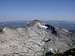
(62, 24)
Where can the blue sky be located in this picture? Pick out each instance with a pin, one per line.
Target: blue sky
(33, 9)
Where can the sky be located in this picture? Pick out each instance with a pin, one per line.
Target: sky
(37, 9)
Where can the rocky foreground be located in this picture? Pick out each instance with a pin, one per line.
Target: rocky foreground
(34, 40)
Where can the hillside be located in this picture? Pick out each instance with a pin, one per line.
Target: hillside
(35, 39)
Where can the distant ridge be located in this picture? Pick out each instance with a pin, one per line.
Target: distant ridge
(62, 24)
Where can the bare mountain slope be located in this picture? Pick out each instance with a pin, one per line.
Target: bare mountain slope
(36, 39)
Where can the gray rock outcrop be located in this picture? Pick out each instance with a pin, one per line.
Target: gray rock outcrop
(34, 40)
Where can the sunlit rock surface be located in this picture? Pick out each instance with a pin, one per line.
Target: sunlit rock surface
(34, 40)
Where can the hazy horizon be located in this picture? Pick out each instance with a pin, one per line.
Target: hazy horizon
(11, 10)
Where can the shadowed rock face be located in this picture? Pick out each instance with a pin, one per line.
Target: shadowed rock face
(34, 40)
(51, 28)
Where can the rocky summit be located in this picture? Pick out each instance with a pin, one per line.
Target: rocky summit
(35, 39)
